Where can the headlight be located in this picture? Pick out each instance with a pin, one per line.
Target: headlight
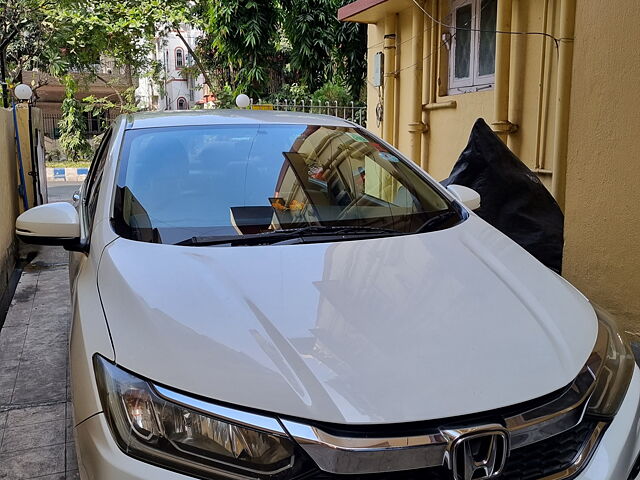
(179, 437)
(616, 369)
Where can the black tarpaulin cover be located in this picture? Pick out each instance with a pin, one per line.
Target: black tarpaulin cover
(513, 199)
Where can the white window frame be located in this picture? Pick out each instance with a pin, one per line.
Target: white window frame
(182, 63)
(474, 82)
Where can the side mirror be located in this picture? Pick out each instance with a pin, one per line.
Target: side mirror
(51, 224)
(465, 195)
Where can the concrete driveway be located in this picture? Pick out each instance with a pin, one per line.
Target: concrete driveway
(36, 437)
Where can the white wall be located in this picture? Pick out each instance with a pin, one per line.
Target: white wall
(175, 85)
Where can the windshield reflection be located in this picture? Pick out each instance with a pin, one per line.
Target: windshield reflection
(183, 182)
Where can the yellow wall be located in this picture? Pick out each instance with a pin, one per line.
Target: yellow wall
(8, 197)
(449, 128)
(10, 203)
(602, 227)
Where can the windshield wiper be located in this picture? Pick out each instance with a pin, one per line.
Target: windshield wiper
(436, 221)
(274, 236)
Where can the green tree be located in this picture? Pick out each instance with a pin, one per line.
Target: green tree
(26, 39)
(248, 44)
(242, 35)
(350, 55)
(73, 141)
(332, 92)
(309, 26)
(57, 36)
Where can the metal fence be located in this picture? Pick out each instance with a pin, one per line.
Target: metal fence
(95, 124)
(353, 112)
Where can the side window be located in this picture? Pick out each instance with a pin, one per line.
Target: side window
(473, 45)
(95, 176)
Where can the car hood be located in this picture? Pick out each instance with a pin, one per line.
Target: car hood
(387, 330)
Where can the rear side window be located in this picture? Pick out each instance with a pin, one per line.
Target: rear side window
(95, 178)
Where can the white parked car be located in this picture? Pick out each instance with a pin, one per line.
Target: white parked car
(264, 295)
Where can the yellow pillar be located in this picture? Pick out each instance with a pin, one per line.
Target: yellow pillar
(501, 124)
(426, 86)
(416, 127)
(388, 113)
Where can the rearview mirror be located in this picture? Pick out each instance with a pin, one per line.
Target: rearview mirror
(50, 224)
(465, 195)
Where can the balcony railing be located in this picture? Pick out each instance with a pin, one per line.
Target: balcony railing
(353, 112)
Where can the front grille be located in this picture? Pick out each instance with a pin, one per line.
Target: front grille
(434, 473)
(548, 456)
(532, 462)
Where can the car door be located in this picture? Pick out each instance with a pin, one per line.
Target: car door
(87, 204)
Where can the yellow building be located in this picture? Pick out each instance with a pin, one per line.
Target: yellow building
(560, 89)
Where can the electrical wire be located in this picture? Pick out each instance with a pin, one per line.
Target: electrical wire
(428, 29)
(556, 40)
(374, 45)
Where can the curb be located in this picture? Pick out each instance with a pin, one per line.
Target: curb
(66, 174)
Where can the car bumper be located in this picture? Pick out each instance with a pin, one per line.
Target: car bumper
(620, 445)
(100, 458)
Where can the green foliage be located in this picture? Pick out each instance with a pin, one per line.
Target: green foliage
(291, 92)
(226, 98)
(56, 37)
(332, 92)
(251, 45)
(350, 55)
(323, 48)
(25, 25)
(123, 30)
(252, 42)
(309, 26)
(242, 34)
(100, 107)
(73, 124)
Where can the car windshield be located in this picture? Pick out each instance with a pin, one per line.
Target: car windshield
(180, 183)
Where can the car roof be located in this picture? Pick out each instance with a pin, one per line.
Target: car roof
(229, 117)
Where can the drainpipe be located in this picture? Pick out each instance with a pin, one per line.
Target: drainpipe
(541, 122)
(561, 130)
(388, 109)
(416, 127)
(501, 125)
(433, 55)
(426, 90)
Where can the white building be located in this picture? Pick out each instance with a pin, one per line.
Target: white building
(177, 91)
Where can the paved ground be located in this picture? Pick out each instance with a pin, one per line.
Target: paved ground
(36, 439)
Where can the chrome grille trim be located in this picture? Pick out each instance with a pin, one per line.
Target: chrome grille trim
(564, 412)
(361, 455)
(351, 455)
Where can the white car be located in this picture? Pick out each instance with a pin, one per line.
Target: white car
(270, 295)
